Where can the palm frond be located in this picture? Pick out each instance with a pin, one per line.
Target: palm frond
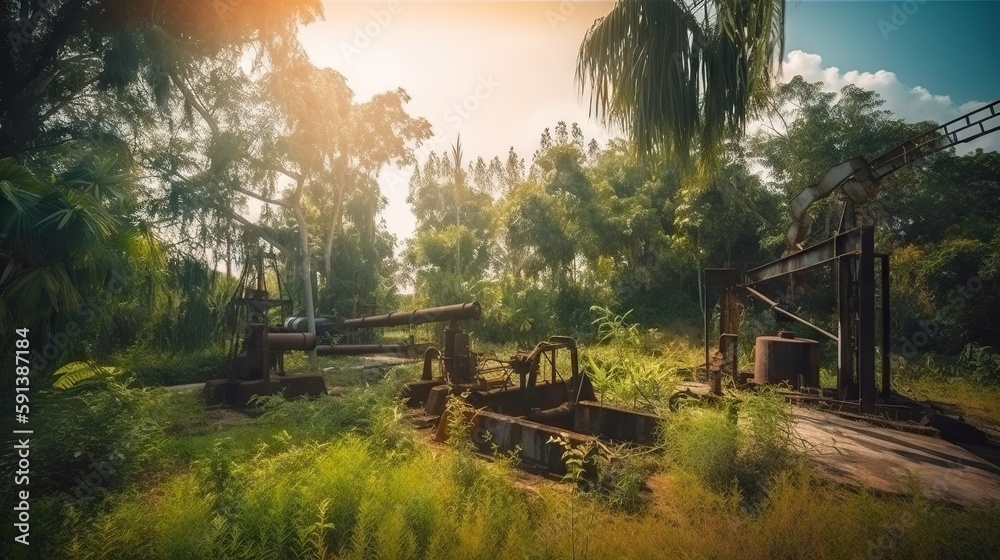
(676, 79)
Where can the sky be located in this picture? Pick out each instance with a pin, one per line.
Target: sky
(498, 73)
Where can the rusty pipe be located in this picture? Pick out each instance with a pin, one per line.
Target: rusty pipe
(359, 349)
(454, 312)
(281, 342)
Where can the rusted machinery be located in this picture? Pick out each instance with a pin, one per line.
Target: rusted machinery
(256, 349)
(852, 254)
(521, 403)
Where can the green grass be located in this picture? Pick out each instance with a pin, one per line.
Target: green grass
(347, 477)
(961, 383)
(348, 499)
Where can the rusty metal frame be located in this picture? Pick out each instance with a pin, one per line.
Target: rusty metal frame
(844, 244)
(773, 305)
(854, 254)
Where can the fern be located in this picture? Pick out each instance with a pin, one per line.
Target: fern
(74, 373)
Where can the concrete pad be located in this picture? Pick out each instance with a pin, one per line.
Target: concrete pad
(850, 452)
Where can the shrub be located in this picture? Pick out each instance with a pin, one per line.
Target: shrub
(153, 368)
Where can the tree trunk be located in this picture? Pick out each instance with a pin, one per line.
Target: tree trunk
(300, 219)
(331, 234)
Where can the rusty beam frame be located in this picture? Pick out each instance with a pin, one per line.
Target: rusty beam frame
(866, 321)
(854, 254)
(725, 281)
(847, 243)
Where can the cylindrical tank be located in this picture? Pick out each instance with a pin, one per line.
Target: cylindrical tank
(784, 358)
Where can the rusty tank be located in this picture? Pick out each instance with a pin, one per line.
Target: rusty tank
(786, 359)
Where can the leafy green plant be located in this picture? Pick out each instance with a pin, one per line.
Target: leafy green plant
(75, 373)
(615, 328)
(575, 458)
(981, 363)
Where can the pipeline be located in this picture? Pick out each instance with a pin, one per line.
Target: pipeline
(456, 312)
(358, 349)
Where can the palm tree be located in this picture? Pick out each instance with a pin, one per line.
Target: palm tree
(680, 74)
(62, 245)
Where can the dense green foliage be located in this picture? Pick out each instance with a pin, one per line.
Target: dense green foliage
(590, 225)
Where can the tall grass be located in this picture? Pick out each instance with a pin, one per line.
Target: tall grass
(344, 498)
(631, 367)
(738, 446)
(153, 367)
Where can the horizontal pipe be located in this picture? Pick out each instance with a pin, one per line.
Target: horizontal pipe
(454, 312)
(774, 306)
(357, 349)
(291, 341)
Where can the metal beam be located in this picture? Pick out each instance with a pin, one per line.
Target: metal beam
(847, 243)
(847, 388)
(774, 306)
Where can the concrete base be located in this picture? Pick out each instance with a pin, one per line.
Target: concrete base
(889, 460)
(437, 399)
(417, 393)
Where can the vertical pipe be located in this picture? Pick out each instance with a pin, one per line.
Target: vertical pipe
(866, 321)
(724, 318)
(265, 358)
(886, 325)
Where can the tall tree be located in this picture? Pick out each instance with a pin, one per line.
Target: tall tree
(451, 248)
(810, 130)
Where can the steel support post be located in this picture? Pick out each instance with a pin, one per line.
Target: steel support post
(886, 326)
(846, 387)
(866, 321)
(725, 280)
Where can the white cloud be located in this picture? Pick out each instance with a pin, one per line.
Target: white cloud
(911, 103)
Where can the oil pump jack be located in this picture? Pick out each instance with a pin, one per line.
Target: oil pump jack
(256, 347)
(852, 252)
